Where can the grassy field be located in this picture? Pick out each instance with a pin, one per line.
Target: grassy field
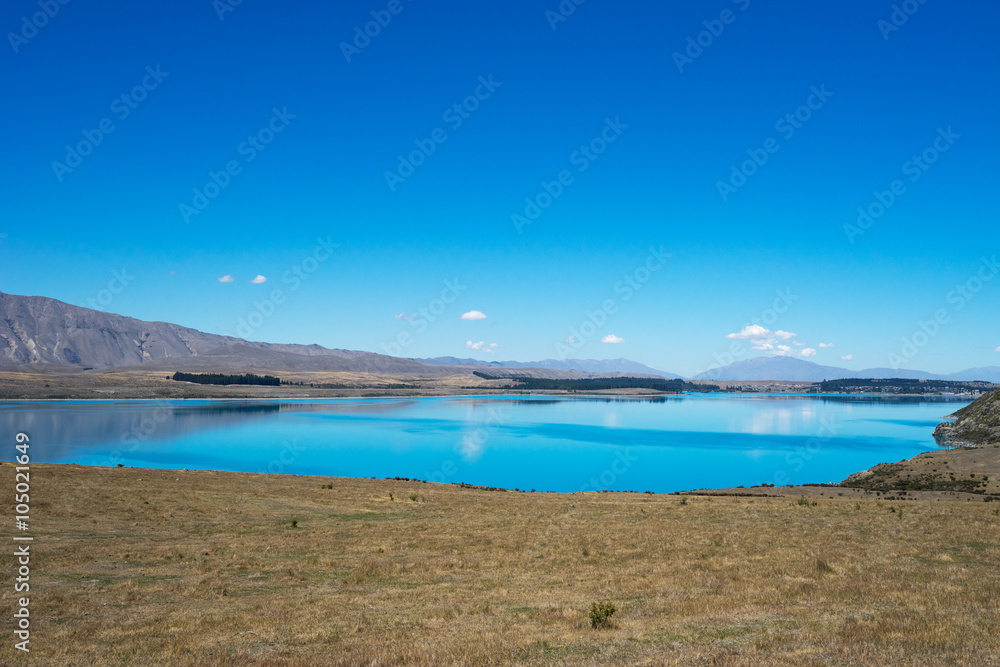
(135, 566)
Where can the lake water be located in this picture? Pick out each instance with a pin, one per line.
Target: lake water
(543, 443)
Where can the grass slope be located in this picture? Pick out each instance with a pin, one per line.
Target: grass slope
(139, 566)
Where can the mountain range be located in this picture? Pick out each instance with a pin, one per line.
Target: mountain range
(587, 365)
(39, 331)
(797, 370)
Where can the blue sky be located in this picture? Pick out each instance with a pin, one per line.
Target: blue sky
(644, 140)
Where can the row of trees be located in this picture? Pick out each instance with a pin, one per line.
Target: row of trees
(900, 386)
(599, 384)
(218, 378)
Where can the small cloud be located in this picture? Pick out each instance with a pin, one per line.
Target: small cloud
(572, 340)
(226, 279)
(775, 342)
(996, 349)
(473, 315)
(611, 338)
(259, 279)
(848, 357)
(827, 345)
(404, 316)
(751, 331)
(482, 346)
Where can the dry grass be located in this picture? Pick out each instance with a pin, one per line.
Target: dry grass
(201, 568)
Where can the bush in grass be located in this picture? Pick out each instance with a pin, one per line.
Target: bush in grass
(600, 614)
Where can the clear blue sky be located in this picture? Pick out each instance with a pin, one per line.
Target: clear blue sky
(677, 124)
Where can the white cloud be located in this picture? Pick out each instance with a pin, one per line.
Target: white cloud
(259, 279)
(226, 279)
(611, 338)
(997, 349)
(750, 332)
(571, 340)
(482, 346)
(765, 340)
(775, 342)
(827, 345)
(474, 315)
(848, 357)
(404, 316)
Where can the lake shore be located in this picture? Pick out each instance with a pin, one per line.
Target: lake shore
(139, 384)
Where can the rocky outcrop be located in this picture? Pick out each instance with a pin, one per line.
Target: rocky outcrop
(975, 424)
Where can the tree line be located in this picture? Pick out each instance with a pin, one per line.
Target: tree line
(218, 378)
(596, 384)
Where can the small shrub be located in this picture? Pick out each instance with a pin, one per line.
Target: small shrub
(822, 566)
(390, 497)
(600, 614)
(803, 501)
(413, 497)
(684, 501)
(295, 523)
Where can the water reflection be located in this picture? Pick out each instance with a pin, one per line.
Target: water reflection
(549, 443)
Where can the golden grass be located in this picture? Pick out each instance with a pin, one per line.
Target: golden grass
(151, 567)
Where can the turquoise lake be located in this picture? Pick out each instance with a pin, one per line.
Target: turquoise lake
(528, 442)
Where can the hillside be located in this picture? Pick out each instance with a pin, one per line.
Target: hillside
(40, 332)
(975, 424)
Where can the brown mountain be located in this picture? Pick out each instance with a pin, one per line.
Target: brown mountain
(39, 331)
